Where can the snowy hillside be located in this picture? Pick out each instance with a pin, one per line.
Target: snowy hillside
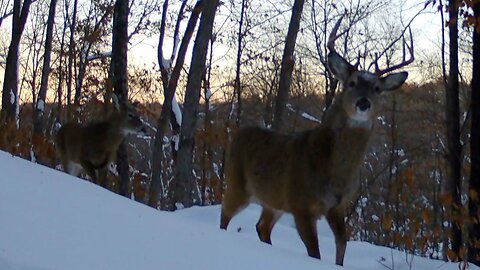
(50, 220)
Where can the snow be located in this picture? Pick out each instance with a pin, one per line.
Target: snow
(99, 56)
(177, 111)
(382, 120)
(40, 105)
(176, 140)
(12, 97)
(208, 94)
(175, 48)
(166, 63)
(310, 117)
(290, 107)
(51, 220)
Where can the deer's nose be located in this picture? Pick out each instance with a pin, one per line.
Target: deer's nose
(363, 104)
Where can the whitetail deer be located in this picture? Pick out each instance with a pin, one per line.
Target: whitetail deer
(93, 145)
(313, 173)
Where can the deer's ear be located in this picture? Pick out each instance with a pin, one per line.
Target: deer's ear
(393, 81)
(339, 67)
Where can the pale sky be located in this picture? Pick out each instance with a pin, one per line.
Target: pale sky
(143, 50)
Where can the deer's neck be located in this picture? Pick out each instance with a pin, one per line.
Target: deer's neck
(350, 139)
(113, 134)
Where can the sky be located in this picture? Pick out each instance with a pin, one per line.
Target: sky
(426, 29)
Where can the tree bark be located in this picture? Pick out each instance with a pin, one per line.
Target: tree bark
(474, 182)
(71, 53)
(10, 81)
(170, 87)
(61, 76)
(120, 83)
(453, 133)
(182, 184)
(287, 65)
(38, 127)
(238, 89)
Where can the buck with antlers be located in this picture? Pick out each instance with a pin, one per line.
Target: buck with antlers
(93, 145)
(313, 173)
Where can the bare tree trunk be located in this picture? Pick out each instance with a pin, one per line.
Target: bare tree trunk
(474, 182)
(120, 83)
(182, 184)
(71, 53)
(444, 65)
(207, 153)
(453, 133)
(61, 76)
(238, 89)
(287, 65)
(170, 87)
(38, 127)
(82, 69)
(10, 81)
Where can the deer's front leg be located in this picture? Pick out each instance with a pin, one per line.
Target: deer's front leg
(90, 170)
(306, 226)
(336, 220)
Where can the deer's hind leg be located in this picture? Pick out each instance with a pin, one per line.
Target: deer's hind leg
(234, 200)
(265, 224)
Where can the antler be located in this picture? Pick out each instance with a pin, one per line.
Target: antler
(379, 72)
(333, 35)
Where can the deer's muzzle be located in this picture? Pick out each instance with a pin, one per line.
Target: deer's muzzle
(363, 104)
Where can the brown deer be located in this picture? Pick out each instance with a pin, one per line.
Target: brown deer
(93, 145)
(312, 173)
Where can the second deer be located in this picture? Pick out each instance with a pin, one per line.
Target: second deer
(313, 173)
(93, 145)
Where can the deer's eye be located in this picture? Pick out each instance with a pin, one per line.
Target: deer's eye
(130, 115)
(377, 89)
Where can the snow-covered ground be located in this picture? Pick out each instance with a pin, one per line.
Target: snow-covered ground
(50, 220)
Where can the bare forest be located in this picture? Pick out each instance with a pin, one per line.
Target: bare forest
(196, 72)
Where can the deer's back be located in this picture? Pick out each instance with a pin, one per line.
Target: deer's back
(94, 142)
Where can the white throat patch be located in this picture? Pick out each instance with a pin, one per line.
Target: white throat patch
(359, 122)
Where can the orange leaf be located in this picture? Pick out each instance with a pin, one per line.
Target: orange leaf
(445, 198)
(473, 194)
(409, 176)
(387, 222)
(452, 255)
(426, 216)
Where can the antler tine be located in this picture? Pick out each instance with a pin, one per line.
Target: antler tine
(411, 51)
(357, 63)
(377, 70)
(333, 35)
